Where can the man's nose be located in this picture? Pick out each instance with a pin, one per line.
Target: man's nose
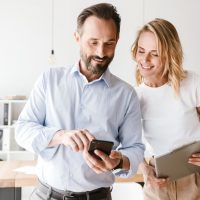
(100, 51)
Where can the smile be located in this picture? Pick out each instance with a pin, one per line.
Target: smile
(146, 67)
(98, 59)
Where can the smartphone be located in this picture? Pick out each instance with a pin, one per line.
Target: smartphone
(102, 145)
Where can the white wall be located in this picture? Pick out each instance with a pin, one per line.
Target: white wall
(25, 36)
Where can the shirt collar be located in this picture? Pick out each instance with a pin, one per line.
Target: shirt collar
(106, 76)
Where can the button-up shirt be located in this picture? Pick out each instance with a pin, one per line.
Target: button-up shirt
(63, 99)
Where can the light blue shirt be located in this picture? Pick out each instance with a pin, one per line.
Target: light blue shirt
(63, 99)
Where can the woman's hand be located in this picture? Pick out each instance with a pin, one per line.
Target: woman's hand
(195, 159)
(150, 176)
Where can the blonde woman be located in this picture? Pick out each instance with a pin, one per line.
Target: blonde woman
(170, 105)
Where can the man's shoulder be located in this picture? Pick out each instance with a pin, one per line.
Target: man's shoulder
(120, 82)
(57, 71)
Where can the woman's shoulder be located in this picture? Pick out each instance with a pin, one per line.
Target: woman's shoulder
(192, 77)
(138, 89)
(190, 83)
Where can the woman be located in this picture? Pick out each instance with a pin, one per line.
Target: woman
(170, 105)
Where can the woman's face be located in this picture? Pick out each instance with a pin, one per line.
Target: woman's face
(148, 59)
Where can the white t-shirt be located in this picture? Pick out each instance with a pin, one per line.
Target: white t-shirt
(170, 120)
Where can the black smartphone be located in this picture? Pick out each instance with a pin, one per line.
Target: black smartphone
(102, 145)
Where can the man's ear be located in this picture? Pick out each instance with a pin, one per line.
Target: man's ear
(77, 37)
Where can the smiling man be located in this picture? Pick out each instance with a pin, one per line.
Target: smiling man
(97, 46)
(71, 106)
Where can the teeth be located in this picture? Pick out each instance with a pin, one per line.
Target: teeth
(146, 67)
(99, 60)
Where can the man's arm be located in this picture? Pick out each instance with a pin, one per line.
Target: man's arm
(131, 151)
(31, 133)
(78, 140)
(130, 133)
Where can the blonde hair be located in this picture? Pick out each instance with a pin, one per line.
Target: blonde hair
(169, 48)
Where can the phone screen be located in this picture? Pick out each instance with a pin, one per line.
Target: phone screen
(102, 145)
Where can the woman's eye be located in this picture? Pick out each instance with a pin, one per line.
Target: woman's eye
(155, 55)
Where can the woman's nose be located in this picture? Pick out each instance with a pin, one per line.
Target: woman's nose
(146, 58)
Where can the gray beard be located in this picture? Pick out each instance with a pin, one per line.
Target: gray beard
(97, 69)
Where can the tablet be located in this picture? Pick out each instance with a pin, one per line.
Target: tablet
(175, 164)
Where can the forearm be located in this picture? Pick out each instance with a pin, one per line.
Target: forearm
(131, 161)
(35, 138)
(143, 166)
(57, 139)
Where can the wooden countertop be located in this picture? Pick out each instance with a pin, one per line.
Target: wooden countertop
(11, 178)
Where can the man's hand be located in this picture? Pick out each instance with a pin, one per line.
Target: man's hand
(78, 140)
(107, 163)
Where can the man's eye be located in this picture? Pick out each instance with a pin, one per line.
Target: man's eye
(93, 43)
(110, 44)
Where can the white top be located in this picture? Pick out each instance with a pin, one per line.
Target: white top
(170, 120)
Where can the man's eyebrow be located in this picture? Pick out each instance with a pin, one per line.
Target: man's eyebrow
(110, 40)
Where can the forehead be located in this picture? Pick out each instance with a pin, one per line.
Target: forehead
(99, 28)
(148, 40)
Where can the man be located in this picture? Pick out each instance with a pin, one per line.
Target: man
(69, 107)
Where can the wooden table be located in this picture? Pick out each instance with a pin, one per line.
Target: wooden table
(11, 178)
(12, 181)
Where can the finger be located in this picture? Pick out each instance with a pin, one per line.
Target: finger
(194, 163)
(73, 144)
(162, 185)
(194, 159)
(106, 164)
(99, 164)
(196, 155)
(84, 138)
(160, 180)
(115, 154)
(93, 166)
(102, 155)
(88, 135)
(78, 142)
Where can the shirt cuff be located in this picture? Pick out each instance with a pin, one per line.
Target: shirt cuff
(41, 143)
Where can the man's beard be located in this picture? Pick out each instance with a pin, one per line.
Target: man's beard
(97, 69)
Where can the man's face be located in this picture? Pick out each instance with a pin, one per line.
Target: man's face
(97, 40)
